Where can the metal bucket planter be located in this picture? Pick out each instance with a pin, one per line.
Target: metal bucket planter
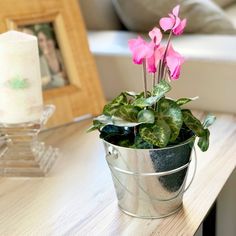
(150, 183)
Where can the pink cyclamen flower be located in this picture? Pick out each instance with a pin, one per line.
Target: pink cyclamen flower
(154, 60)
(174, 62)
(156, 35)
(173, 22)
(151, 64)
(140, 49)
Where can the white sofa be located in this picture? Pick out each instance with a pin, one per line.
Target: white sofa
(209, 71)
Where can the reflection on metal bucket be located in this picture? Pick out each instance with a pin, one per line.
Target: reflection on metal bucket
(150, 183)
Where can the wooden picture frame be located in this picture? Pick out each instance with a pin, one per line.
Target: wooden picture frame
(83, 95)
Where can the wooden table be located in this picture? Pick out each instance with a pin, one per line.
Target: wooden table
(78, 198)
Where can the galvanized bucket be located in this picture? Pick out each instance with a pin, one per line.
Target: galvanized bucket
(150, 183)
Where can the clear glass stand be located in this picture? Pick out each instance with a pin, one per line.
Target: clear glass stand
(21, 153)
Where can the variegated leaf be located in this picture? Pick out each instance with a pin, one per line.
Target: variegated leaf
(209, 120)
(161, 89)
(145, 102)
(193, 123)
(123, 123)
(110, 108)
(183, 101)
(171, 113)
(127, 112)
(203, 142)
(157, 134)
(146, 116)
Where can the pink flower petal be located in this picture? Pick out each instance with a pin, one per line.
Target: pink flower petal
(151, 65)
(180, 28)
(166, 23)
(174, 67)
(133, 43)
(150, 49)
(140, 49)
(177, 22)
(172, 52)
(174, 60)
(175, 11)
(159, 53)
(156, 35)
(173, 22)
(138, 55)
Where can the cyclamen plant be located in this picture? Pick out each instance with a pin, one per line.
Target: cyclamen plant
(149, 119)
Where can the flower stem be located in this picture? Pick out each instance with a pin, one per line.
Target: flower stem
(165, 72)
(159, 72)
(165, 54)
(154, 80)
(145, 78)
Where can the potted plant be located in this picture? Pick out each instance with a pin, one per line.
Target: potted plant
(149, 137)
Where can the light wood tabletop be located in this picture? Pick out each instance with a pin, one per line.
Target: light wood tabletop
(78, 198)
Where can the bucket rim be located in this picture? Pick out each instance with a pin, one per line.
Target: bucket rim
(192, 138)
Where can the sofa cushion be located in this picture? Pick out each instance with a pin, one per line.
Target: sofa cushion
(203, 16)
(231, 13)
(224, 3)
(99, 15)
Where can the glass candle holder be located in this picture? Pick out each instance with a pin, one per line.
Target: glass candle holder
(21, 152)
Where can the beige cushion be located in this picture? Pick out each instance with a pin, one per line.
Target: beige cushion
(231, 13)
(224, 3)
(99, 15)
(203, 16)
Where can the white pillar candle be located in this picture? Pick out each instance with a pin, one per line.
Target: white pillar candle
(20, 80)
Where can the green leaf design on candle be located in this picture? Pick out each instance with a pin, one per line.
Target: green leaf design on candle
(18, 83)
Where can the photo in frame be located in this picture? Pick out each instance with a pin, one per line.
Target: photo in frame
(52, 67)
(59, 26)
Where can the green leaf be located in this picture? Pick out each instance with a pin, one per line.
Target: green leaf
(131, 93)
(123, 123)
(124, 143)
(128, 112)
(158, 92)
(146, 116)
(142, 94)
(97, 125)
(104, 119)
(141, 144)
(193, 123)
(183, 101)
(209, 120)
(145, 102)
(171, 113)
(92, 128)
(110, 108)
(203, 142)
(119, 100)
(157, 134)
(161, 89)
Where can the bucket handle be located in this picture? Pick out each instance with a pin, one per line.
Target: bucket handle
(160, 173)
(114, 154)
(194, 170)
